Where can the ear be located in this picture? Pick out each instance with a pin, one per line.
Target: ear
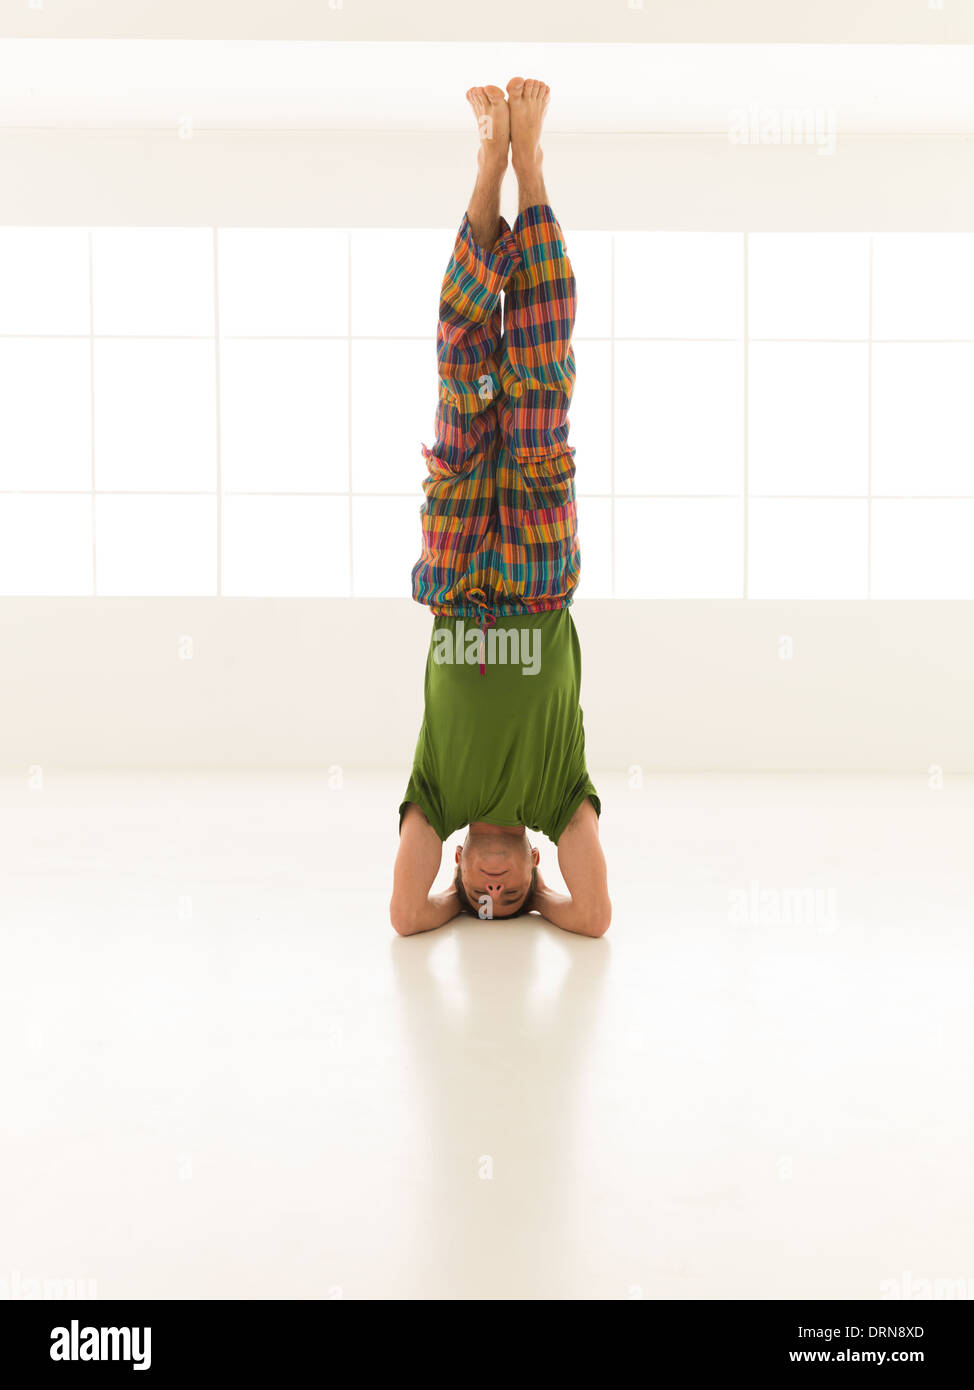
(535, 857)
(456, 857)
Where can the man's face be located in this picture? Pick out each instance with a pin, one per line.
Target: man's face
(499, 866)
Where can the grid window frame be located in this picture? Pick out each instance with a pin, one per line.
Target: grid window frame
(613, 497)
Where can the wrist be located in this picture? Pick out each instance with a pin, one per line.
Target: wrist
(447, 903)
(545, 899)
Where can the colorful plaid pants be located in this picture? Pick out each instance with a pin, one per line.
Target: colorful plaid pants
(499, 523)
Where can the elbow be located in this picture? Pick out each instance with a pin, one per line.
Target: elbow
(598, 922)
(402, 921)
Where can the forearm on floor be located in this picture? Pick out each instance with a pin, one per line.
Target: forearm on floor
(438, 909)
(561, 910)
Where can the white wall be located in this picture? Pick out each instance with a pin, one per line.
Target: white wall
(417, 179)
(315, 682)
(619, 21)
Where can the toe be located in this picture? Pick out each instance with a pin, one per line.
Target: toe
(494, 95)
(515, 87)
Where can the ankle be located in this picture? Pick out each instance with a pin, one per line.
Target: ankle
(491, 164)
(527, 160)
(530, 192)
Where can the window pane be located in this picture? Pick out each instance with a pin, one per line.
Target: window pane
(679, 418)
(807, 550)
(45, 545)
(923, 285)
(301, 408)
(808, 423)
(679, 284)
(155, 415)
(394, 391)
(285, 547)
(44, 280)
(45, 413)
(923, 429)
(591, 256)
(590, 417)
(923, 550)
(156, 545)
(396, 278)
(679, 548)
(284, 416)
(149, 280)
(813, 285)
(595, 539)
(387, 539)
(285, 282)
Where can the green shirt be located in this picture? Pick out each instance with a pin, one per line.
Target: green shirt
(506, 746)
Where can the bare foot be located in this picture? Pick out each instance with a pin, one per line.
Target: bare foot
(528, 102)
(493, 124)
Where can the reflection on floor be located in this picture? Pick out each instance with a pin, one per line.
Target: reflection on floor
(225, 1076)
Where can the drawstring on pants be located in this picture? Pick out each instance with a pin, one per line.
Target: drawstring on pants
(487, 619)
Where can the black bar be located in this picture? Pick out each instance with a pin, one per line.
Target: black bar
(252, 1339)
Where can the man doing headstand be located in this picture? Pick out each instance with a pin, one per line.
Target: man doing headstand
(502, 744)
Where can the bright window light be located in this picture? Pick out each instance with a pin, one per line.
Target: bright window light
(45, 414)
(679, 284)
(163, 546)
(284, 415)
(44, 281)
(923, 425)
(289, 282)
(153, 281)
(808, 285)
(679, 548)
(804, 549)
(595, 539)
(394, 393)
(835, 410)
(590, 417)
(287, 547)
(922, 549)
(808, 418)
(386, 541)
(155, 415)
(679, 418)
(45, 545)
(923, 285)
(590, 254)
(396, 278)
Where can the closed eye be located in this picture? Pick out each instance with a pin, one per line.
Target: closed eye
(510, 895)
(509, 898)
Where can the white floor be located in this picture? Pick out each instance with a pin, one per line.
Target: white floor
(224, 1075)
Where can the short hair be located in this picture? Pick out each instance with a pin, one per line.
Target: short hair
(467, 906)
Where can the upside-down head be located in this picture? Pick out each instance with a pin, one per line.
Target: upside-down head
(497, 872)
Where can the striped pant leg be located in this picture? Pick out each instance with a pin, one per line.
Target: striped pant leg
(536, 474)
(459, 519)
